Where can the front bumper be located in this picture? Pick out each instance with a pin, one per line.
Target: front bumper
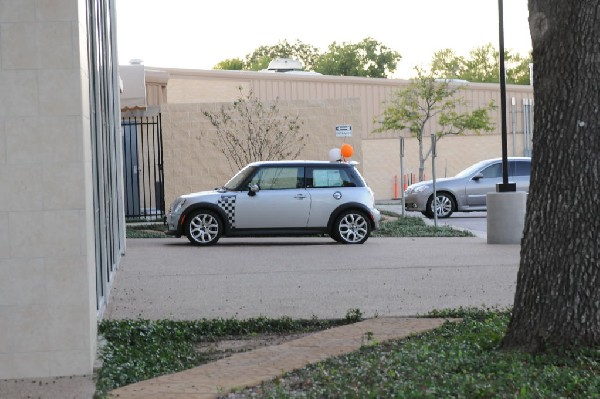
(417, 203)
(172, 222)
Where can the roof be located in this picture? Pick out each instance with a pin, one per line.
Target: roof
(299, 162)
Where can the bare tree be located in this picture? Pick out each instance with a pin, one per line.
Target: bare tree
(557, 302)
(248, 131)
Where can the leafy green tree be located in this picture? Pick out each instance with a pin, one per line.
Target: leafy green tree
(249, 130)
(482, 65)
(231, 64)
(518, 72)
(368, 58)
(557, 300)
(446, 64)
(259, 59)
(425, 98)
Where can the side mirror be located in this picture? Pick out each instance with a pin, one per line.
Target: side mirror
(478, 176)
(253, 189)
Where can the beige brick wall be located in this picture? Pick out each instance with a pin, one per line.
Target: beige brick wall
(192, 163)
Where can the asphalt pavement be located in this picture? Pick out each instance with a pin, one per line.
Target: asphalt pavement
(310, 277)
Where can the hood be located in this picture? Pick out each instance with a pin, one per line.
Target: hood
(430, 182)
(204, 195)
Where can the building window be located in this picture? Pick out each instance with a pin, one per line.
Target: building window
(106, 144)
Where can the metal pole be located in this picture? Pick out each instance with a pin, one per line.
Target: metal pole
(434, 202)
(505, 186)
(513, 120)
(402, 174)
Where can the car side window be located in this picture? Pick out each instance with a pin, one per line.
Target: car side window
(492, 171)
(330, 177)
(521, 168)
(278, 178)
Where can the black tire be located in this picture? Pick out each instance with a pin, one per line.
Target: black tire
(351, 227)
(445, 206)
(203, 228)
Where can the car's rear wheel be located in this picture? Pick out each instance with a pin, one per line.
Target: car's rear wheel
(351, 227)
(444, 207)
(203, 227)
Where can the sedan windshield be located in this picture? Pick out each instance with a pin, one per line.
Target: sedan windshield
(234, 183)
(471, 169)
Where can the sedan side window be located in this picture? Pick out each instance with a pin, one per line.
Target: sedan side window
(278, 178)
(492, 171)
(521, 168)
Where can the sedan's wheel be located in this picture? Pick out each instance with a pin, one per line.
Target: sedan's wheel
(203, 228)
(351, 227)
(444, 206)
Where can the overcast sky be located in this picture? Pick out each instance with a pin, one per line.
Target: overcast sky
(197, 34)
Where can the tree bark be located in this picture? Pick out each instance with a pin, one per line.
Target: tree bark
(557, 301)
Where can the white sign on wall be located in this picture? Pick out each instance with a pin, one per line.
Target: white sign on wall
(343, 131)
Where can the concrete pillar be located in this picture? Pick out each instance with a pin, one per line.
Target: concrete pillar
(505, 217)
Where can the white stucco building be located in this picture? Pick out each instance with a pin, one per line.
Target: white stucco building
(60, 219)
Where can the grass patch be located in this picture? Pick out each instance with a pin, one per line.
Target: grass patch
(458, 360)
(136, 350)
(395, 225)
(146, 230)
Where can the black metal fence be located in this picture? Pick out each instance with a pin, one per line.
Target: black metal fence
(143, 167)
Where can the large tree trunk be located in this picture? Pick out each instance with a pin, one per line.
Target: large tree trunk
(557, 302)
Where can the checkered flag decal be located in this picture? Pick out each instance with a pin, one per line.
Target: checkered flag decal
(227, 203)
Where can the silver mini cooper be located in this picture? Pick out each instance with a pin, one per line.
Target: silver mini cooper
(280, 198)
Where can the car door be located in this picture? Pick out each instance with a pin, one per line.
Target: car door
(329, 187)
(281, 201)
(476, 188)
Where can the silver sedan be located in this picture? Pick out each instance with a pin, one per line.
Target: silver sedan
(467, 191)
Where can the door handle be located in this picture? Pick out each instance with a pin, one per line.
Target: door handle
(300, 196)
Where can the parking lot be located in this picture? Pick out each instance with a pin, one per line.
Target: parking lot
(310, 277)
(475, 222)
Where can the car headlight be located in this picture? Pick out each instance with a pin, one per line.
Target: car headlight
(177, 205)
(417, 190)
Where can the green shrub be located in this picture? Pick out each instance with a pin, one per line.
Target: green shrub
(410, 226)
(146, 230)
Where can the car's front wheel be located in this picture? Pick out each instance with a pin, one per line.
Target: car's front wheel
(351, 227)
(203, 228)
(444, 206)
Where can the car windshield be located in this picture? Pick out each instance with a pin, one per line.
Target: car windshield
(471, 169)
(235, 182)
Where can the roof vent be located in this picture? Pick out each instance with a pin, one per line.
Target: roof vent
(285, 65)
